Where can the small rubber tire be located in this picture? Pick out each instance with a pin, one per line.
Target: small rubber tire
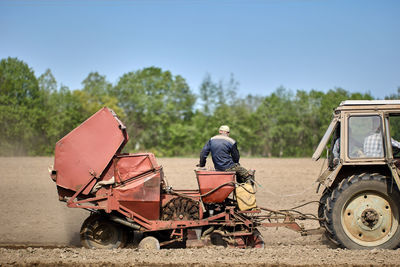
(363, 213)
(98, 231)
(149, 243)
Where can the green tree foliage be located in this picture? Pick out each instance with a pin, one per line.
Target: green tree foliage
(96, 93)
(219, 105)
(395, 120)
(47, 82)
(395, 95)
(291, 125)
(64, 111)
(214, 95)
(21, 112)
(161, 114)
(154, 100)
(276, 122)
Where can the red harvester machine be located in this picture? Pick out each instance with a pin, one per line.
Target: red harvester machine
(127, 195)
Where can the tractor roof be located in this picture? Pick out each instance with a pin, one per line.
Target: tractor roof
(369, 105)
(369, 102)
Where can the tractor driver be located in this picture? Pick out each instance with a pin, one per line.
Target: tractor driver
(373, 143)
(225, 154)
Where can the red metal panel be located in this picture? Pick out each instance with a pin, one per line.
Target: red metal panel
(88, 149)
(141, 195)
(209, 180)
(132, 165)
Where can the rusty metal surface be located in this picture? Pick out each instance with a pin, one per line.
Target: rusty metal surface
(141, 195)
(368, 220)
(132, 165)
(209, 180)
(87, 150)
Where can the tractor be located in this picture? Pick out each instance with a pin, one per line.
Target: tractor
(360, 204)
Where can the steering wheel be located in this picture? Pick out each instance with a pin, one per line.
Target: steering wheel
(357, 153)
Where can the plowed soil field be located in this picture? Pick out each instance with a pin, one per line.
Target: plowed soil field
(37, 229)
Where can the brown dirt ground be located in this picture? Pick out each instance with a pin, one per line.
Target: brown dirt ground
(37, 229)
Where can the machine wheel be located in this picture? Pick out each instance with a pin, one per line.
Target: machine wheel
(217, 238)
(98, 231)
(149, 243)
(363, 213)
(255, 240)
(180, 208)
(249, 241)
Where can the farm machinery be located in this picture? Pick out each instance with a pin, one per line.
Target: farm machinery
(360, 203)
(127, 195)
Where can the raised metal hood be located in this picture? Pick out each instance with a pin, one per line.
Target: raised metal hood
(86, 151)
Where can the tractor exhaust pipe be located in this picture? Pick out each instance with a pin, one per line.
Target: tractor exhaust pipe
(125, 222)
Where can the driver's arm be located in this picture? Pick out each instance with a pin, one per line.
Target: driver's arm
(395, 143)
(336, 149)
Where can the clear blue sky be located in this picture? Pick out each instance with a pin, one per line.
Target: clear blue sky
(299, 44)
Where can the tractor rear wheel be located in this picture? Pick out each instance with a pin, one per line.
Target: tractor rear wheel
(321, 206)
(363, 213)
(321, 211)
(98, 231)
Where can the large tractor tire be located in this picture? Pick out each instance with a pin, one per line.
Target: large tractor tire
(363, 213)
(322, 204)
(98, 231)
(321, 214)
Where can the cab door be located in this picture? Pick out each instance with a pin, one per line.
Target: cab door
(392, 125)
(364, 143)
(322, 144)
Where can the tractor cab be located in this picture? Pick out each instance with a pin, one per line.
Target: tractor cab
(363, 132)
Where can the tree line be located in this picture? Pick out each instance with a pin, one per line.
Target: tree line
(161, 112)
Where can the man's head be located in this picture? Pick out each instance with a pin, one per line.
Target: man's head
(224, 129)
(376, 124)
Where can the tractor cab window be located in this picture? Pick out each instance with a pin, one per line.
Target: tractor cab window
(394, 129)
(365, 139)
(334, 150)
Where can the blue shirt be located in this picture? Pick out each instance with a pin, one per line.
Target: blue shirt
(223, 150)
